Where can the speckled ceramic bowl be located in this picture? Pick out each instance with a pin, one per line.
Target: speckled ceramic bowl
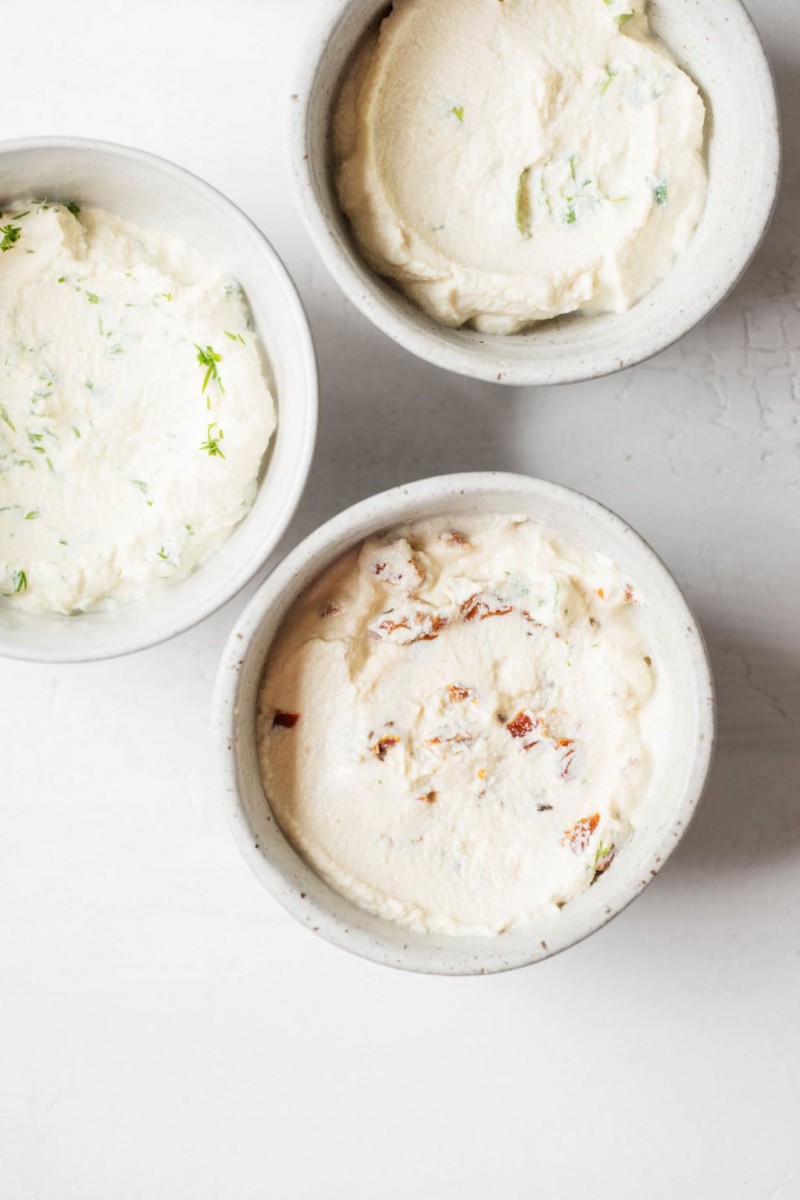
(719, 47)
(154, 192)
(664, 812)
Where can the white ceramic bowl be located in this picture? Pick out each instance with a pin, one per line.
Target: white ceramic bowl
(665, 811)
(154, 192)
(719, 47)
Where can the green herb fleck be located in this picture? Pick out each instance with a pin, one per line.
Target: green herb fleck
(570, 216)
(622, 19)
(88, 384)
(162, 553)
(20, 582)
(167, 295)
(610, 77)
(72, 207)
(571, 161)
(523, 204)
(92, 297)
(61, 542)
(458, 112)
(33, 514)
(11, 235)
(76, 431)
(212, 445)
(209, 358)
(235, 337)
(61, 279)
(661, 193)
(5, 417)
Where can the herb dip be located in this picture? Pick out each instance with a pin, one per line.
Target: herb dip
(134, 408)
(507, 161)
(456, 720)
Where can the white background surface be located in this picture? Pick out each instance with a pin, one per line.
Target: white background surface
(166, 1031)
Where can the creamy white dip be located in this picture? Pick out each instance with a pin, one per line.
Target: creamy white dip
(507, 161)
(451, 723)
(134, 410)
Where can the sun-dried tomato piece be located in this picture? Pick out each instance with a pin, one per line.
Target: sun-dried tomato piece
(383, 745)
(457, 739)
(458, 693)
(430, 627)
(387, 628)
(458, 539)
(629, 596)
(285, 720)
(521, 725)
(579, 836)
(481, 605)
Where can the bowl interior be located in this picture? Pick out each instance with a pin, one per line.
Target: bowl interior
(717, 44)
(683, 714)
(155, 193)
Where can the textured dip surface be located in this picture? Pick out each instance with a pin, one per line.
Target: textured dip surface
(451, 723)
(507, 161)
(134, 409)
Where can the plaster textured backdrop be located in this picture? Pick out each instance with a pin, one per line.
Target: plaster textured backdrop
(165, 1029)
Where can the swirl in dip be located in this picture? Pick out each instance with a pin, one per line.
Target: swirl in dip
(134, 411)
(507, 161)
(453, 723)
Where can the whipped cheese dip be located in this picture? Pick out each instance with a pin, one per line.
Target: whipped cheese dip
(134, 408)
(507, 161)
(452, 724)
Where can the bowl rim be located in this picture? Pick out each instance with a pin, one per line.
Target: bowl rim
(421, 335)
(14, 644)
(334, 537)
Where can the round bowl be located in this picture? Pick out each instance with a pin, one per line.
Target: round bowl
(719, 47)
(154, 192)
(664, 812)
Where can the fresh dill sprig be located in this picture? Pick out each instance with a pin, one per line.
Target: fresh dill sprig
(33, 514)
(209, 358)
(11, 235)
(235, 337)
(212, 445)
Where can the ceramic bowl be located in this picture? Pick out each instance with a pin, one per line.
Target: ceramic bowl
(719, 47)
(154, 192)
(686, 718)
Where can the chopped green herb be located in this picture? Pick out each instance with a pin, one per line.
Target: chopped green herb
(167, 295)
(235, 337)
(661, 194)
(92, 297)
(5, 417)
(61, 279)
(209, 358)
(610, 77)
(622, 19)
(88, 384)
(61, 542)
(571, 161)
(33, 514)
(71, 207)
(11, 235)
(162, 553)
(20, 581)
(458, 112)
(212, 445)
(523, 204)
(76, 431)
(570, 216)
(141, 485)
